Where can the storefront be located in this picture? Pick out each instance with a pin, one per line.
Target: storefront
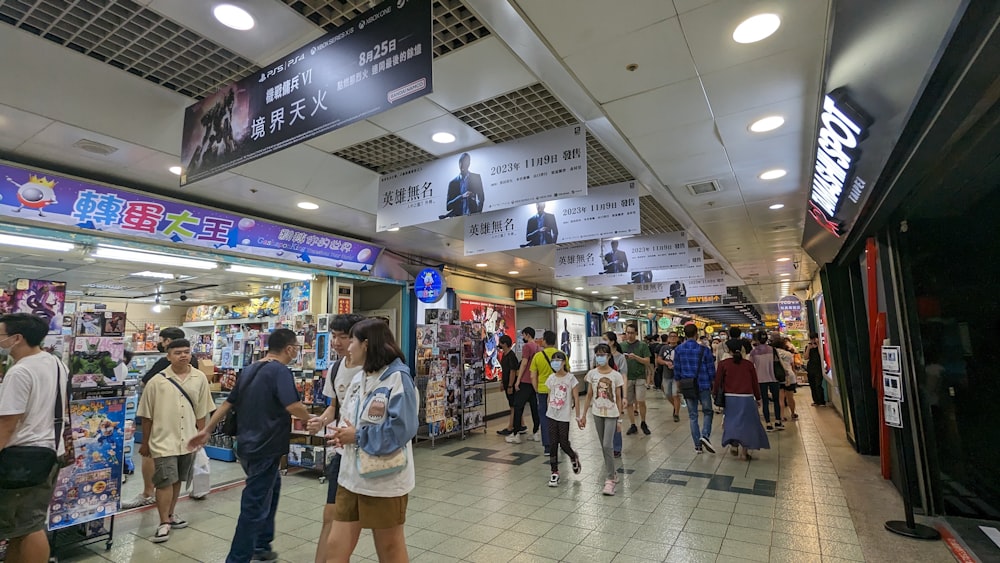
(907, 255)
(111, 267)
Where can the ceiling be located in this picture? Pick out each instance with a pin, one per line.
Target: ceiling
(121, 72)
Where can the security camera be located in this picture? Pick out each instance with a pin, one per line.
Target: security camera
(795, 265)
(183, 296)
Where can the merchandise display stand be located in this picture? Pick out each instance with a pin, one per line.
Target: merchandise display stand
(473, 378)
(439, 381)
(308, 451)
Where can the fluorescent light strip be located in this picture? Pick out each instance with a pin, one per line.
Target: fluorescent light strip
(158, 275)
(38, 243)
(236, 268)
(115, 253)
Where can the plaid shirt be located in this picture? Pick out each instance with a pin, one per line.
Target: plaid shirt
(688, 356)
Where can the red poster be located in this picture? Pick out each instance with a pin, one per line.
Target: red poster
(493, 320)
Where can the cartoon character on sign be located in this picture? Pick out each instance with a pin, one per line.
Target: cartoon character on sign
(36, 193)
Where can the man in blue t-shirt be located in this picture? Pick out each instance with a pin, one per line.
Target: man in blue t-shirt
(261, 441)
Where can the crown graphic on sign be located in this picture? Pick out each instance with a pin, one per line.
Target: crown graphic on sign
(43, 181)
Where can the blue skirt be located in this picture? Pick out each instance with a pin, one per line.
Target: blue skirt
(742, 425)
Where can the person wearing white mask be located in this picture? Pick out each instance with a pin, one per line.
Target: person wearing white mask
(606, 396)
(561, 397)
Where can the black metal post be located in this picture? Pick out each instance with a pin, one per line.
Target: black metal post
(909, 528)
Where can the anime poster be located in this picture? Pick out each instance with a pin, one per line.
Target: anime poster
(6, 302)
(113, 323)
(43, 298)
(294, 299)
(489, 321)
(131, 405)
(322, 350)
(90, 489)
(88, 324)
(94, 359)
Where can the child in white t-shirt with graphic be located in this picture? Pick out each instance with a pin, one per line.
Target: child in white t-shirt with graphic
(562, 398)
(605, 396)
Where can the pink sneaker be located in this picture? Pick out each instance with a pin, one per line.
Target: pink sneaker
(609, 488)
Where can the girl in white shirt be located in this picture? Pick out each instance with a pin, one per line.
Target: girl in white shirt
(605, 393)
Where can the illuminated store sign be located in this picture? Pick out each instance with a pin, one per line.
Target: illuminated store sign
(841, 130)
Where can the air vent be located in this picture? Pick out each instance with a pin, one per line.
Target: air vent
(95, 147)
(702, 188)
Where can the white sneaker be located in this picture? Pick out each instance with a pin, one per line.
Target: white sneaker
(537, 436)
(513, 439)
(554, 480)
(162, 534)
(139, 500)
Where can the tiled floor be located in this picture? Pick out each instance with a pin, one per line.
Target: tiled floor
(485, 504)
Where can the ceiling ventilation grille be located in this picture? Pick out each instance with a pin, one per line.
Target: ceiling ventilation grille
(454, 24)
(385, 154)
(702, 188)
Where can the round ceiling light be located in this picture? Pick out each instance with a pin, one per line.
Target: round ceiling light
(783, 260)
(233, 17)
(443, 137)
(308, 205)
(765, 124)
(482, 265)
(594, 291)
(773, 174)
(175, 170)
(393, 229)
(756, 28)
(785, 274)
(776, 206)
(513, 272)
(577, 288)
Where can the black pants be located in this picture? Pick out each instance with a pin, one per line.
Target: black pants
(559, 436)
(658, 379)
(816, 386)
(525, 394)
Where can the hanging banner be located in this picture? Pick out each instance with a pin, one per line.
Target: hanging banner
(606, 211)
(373, 63)
(604, 257)
(54, 200)
(678, 290)
(572, 330)
(91, 488)
(790, 308)
(543, 167)
(693, 271)
(489, 321)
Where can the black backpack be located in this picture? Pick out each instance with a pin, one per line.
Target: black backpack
(779, 369)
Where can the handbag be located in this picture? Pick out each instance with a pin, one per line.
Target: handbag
(689, 387)
(779, 368)
(720, 394)
(370, 465)
(29, 466)
(231, 425)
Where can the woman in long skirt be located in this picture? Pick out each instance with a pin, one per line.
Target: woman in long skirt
(736, 378)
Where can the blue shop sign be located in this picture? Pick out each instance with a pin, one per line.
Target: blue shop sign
(429, 285)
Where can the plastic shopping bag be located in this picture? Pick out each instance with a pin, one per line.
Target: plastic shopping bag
(201, 474)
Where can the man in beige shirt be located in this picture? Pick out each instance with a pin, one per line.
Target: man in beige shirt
(173, 407)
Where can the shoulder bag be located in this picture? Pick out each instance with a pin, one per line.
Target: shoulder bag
(779, 369)
(181, 389)
(230, 425)
(369, 465)
(689, 386)
(29, 466)
(720, 393)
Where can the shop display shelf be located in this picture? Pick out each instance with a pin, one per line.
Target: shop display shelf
(220, 454)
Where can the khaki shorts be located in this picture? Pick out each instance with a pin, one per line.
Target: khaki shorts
(374, 513)
(172, 469)
(25, 511)
(635, 390)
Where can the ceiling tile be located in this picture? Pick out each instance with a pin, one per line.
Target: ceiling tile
(709, 30)
(786, 75)
(570, 25)
(58, 138)
(659, 50)
(18, 126)
(357, 132)
(773, 152)
(480, 71)
(683, 102)
(465, 136)
(678, 141)
(407, 115)
(735, 127)
(705, 166)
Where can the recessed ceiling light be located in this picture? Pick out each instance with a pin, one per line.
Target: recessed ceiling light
(513, 272)
(577, 288)
(782, 259)
(594, 291)
(615, 297)
(175, 170)
(443, 137)
(149, 274)
(482, 265)
(308, 205)
(785, 274)
(756, 28)
(776, 206)
(393, 229)
(765, 124)
(233, 17)
(772, 174)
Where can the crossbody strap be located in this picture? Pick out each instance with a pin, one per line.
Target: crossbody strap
(181, 389)
(59, 412)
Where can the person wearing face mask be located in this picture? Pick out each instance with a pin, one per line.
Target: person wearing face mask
(147, 496)
(524, 391)
(606, 396)
(541, 369)
(561, 398)
(261, 441)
